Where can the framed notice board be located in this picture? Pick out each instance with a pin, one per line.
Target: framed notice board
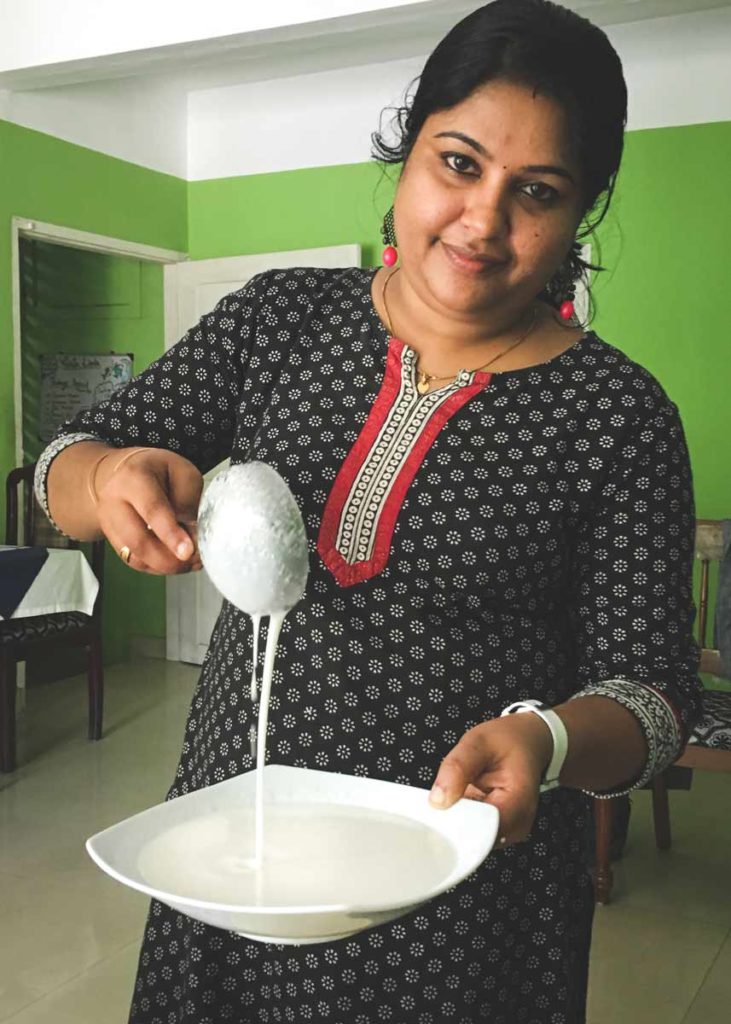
(70, 383)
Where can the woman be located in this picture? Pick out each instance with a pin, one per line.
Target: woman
(499, 508)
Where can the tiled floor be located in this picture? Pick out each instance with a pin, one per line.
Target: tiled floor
(69, 935)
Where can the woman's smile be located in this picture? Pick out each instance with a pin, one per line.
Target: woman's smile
(468, 261)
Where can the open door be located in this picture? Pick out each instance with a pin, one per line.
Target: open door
(192, 289)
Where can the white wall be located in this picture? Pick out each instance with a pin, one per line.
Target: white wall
(86, 29)
(308, 121)
(139, 120)
(678, 71)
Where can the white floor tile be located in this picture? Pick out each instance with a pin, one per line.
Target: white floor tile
(712, 1004)
(100, 995)
(648, 967)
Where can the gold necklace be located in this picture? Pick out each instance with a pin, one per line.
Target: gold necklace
(425, 379)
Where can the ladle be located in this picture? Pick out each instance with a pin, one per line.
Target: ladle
(252, 539)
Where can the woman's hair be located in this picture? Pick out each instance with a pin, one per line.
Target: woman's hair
(554, 52)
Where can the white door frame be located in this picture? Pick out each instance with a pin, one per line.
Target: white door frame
(24, 227)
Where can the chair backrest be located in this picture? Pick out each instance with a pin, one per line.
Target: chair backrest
(708, 548)
(20, 480)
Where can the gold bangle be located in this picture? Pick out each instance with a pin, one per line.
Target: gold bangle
(91, 480)
(92, 474)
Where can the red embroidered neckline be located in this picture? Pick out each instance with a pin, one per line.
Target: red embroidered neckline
(361, 512)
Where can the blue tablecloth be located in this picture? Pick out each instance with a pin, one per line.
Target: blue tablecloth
(18, 569)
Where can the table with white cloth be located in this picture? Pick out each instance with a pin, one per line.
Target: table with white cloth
(65, 583)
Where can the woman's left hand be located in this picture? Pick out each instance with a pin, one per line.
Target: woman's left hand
(500, 762)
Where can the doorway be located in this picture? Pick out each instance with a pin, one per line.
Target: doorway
(79, 293)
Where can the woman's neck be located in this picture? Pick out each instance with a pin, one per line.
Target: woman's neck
(446, 343)
(423, 323)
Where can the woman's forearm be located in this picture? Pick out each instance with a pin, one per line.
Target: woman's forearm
(607, 747)
(69, 500)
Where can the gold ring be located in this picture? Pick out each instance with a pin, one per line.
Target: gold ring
(124, 554)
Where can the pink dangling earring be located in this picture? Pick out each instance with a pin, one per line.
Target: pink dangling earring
(390, 256)
(388, 234)
(564, 282)
(567, 308)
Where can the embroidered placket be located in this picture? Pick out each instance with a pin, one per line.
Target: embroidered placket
(361, 512)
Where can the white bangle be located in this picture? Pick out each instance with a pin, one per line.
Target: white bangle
(558, 732)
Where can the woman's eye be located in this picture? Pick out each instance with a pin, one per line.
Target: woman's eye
(459, 163)
(540, 192)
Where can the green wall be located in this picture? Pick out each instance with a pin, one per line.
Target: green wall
(46, 179)
(665, 300)
(289, 210)
(662, 300)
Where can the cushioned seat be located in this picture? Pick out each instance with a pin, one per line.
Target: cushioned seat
(36, 626)
(714, 727)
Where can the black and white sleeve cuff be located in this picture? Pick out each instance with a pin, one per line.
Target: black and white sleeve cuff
(657, 719)
(40, 481)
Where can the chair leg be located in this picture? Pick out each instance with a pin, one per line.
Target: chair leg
(661, 812)
(96, 689)
(8, 682)
(603, 878)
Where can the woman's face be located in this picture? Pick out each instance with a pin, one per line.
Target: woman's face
(489, 201)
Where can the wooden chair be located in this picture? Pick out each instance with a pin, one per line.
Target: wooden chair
(709, 746)
(44, 633)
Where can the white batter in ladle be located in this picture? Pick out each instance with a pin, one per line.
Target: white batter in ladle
(253, 545)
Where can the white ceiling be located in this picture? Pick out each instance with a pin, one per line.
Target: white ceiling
(389, 30)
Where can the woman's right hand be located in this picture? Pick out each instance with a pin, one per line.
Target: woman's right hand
(144, 504)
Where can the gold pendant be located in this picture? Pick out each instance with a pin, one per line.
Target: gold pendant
(422, 385)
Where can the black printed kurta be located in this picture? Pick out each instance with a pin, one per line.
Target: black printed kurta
(518, 535)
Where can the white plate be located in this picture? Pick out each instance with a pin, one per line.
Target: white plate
(470, 828)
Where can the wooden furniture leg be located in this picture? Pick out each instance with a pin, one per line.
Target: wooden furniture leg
(96, 690)
(661, 812)
(8, 682)
(603, 879)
